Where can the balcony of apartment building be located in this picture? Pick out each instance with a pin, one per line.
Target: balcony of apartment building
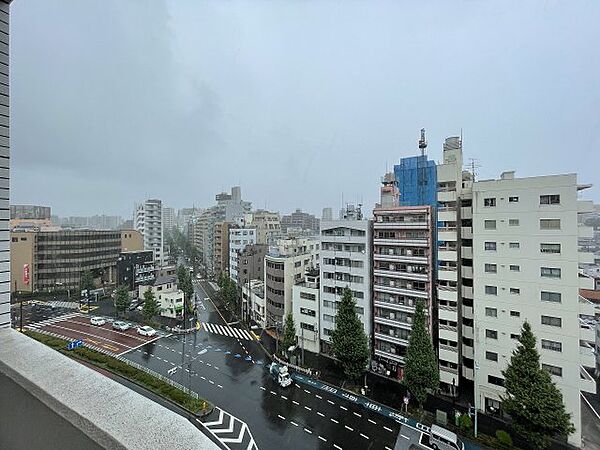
(394, 302)
(447, 213)
(447, 271)
(446, 194)
(389, 353)
(448, 310)
(466, 271)
(467, 292)
(587, 381)
(468, 351)
(466, 212)
(448, 350)
(416, 288)
(400, 254)
(467, 312)
(404, 271)
(468, 373)
(587, 355)
(397, 319)
(448, 371)
(447, 251)
(587, 329)
(447, 290)
(447, 231)
(401, 220)
(466, 252)
(466, 232)
(448, 329)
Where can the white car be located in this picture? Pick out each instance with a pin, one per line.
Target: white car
(99, 321)
(146, 331)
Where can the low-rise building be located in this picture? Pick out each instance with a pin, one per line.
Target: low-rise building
(251, 263)
(135, 269)
(167, 294)
(131, 241)
(305, 301)
(253, 299)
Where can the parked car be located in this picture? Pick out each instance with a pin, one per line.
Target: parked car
(146, 331)
(99, 321)
(121, 326)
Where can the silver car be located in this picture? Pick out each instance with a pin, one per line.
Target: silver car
(121, 326)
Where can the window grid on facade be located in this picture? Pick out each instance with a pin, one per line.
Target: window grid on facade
(552, 321)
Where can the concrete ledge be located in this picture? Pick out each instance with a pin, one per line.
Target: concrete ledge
(102, 410)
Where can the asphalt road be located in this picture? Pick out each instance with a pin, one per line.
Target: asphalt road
(232, 373)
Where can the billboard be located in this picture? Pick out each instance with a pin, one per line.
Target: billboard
(25, 273)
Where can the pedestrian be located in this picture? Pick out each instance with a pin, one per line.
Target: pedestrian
(405, 401)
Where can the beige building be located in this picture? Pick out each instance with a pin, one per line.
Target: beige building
(54, 260)
(221, 248)
(267, 224)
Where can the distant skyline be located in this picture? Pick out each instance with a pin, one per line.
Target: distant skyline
(299, 103)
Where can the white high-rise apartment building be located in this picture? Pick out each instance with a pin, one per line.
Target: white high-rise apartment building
(239, 238)
(148, 221)
(526, 268)
(4, 168)
(345, 262)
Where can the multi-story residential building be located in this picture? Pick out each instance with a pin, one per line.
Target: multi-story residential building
(298, 221)
(251, 261)
(345, 258)
(239, 238)
(167, 294)
(286, 264)
(305, 302)
(221, 248)
(526, 268)
(55, 260)
(253, 301)
(168, 219)
(402, 275)
(268, 227)
(148, 221)
(135, 269)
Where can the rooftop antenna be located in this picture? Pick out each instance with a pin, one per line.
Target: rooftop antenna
(422, 142)
(473, 166)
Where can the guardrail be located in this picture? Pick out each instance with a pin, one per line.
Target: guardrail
(292, 366)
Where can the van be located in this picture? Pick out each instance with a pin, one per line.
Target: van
(442, 439)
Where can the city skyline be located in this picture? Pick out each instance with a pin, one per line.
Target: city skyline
(230, 105)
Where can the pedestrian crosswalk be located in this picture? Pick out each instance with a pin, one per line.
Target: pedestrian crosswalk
(227, 331)
(68, 305)
(43, 323)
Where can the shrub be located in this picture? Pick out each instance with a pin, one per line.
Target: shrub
(465, 423)
(504, 439)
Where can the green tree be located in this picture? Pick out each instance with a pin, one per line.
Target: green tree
(121, 299)
(421, 372)
(532, 399)
(348, 341)
(289, 334)
(87, 281)
(150, 305)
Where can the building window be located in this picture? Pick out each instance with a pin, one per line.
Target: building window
(549, 224)
(515, 291)
(491, 268)
(495, 380)
(553, 199)
(513, 199)
(550, 248)
(514, 245)
(552, 321)
(515, 268)
(515, 336)
(491, 312)
(297, 263)
(328, 318)
(513, 222)
(491, 356)
(491, 334)
(554, 297)
(491, 290)
(308, 312)
(489, 224)
(550, 272)
(491, 246)
(551, 345)
(491, 202)
(515, 314)
(554, 370)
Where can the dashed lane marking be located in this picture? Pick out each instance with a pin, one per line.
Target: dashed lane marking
(284, 397)
(389, 429)
(344, 408)
(322, 438)
(263, 388)
(337, 446)
(405, 437)
(348, 428)
(280, 416)
(329, 401)
(319, 397)
(273, 392)
(356, 414)
(308, 408)
(307, 391)
(295, 402)
(372, 421)
(308, 431)
(365, 436)
(334, 421)
(294, 423)
(321, 414)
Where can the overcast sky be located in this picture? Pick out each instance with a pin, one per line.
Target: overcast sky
(299, 102)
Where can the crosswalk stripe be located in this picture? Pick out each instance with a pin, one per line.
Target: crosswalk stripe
(237, 333)
(228, 331)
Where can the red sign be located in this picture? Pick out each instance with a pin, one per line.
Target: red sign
(25, 273)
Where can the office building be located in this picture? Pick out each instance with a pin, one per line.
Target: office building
(221, 248)
(148, 221)
(526, 268)
(299, 221)
(30, 216)
(305, 302)
(168, 219)
(402, 275)
(345, 258)
(251, 263)
(135, 269)
(267, 224)
(239, 238)
(285, 264)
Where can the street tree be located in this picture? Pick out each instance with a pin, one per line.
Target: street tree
(87, 281)
(121, 299)
(151, 308)
(532, 398)
(421, 372)
(289, 334)
(349, 341)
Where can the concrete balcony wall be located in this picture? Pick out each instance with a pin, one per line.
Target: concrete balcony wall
(447, 235)
(468, 373)
(447, 355)
(466, 233)
(446, 196)
(467, 351)
(448, 215)
(467, 292)
(448, 275)
(467, 332)
(467, 252)
(585, 258)
(444, 294)
(467, 272)
(585, 206)
(585, 232)
(447, 377)
(466, 212)
(447, 255)
(467, 312)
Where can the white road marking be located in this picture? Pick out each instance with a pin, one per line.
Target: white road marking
(321, 414)
(219, 386)
(294, 423)
(211, 381)
(295, 402)
(337, 446)
(329, 401)
(319, 397)
(357, 414)
(306, 407)
(365, 436)
(307, 391)
(308, 431)
(348, 428)
(280, 416)
(387, 448)
(284, 397)
(209, 364)
(405, 437)
(216, 367)
(334, 421)
(372, 421)
(297, 385)
(322, 438)
(263, 388)
(273, 392)
(389, 429)
(344, 408)
(204, 378)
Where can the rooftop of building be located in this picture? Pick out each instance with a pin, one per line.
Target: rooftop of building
(591, 295)
(164, 279)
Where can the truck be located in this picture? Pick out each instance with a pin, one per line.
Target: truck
(280, 374)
